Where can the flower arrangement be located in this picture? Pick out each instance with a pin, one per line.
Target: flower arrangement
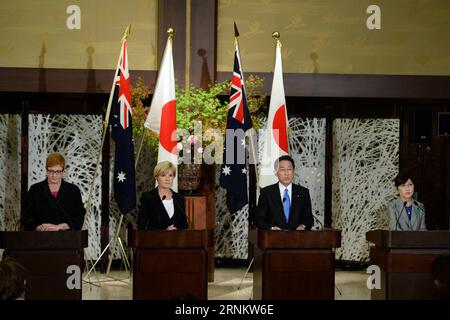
(198, 110)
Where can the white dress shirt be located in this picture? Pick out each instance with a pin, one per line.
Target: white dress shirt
(168, 204)
(282, 188)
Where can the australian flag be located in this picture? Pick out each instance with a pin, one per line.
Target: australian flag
(233, 176)
(122, 133)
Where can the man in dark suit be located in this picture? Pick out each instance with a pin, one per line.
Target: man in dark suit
(284, 205)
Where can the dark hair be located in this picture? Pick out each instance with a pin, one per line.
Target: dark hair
(12, 279)
(284, 158)
(402, 177)
(440, 270)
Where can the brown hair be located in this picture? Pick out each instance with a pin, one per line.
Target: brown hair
(55, 159)
(12, 279)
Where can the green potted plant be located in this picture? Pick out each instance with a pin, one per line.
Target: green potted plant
(195, 105)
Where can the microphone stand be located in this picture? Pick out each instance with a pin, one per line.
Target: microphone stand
(398, 216)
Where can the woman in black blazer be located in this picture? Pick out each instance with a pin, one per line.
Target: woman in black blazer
(53, 204)
(162, 208)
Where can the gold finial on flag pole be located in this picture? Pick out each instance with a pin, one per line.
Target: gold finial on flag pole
(126, 33)
(170, 33)
(276, 36)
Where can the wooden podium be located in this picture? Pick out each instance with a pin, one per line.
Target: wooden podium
(201, 219)
(169, 264)
(46, 257)
(405, 259)
(293, 265)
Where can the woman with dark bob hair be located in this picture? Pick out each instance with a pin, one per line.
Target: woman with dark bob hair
(405, 213)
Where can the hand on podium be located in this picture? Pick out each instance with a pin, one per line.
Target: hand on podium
(171, 227)
(52, 227)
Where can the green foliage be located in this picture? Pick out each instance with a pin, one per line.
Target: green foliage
(209, 106)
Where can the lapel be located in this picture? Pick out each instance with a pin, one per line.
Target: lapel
(48, 193)
(162, 210)
(158, 201)
(400, 215)
(278, 202)
(403, 221)
(61, 191)
(295, 200)
(415, 216)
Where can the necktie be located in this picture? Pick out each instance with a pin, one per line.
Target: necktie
(286, 204)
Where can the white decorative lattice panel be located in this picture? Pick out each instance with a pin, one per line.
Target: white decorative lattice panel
(78, 138)
(365, 162)
(307, 144)
(10, 171)
(144, 182)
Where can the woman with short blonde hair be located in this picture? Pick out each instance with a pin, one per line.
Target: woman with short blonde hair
(164, 167)
(162, 208)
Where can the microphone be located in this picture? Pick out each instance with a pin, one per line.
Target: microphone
(398, 216)
(317, 220)
(163, 197)
(284, 199)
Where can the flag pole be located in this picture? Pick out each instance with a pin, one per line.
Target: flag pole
(251, 132)
(276, 36)
(170, 36)
(105, 128)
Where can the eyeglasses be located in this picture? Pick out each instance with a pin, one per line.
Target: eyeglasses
(55, 172)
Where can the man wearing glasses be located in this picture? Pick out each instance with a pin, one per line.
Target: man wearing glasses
(53, 204)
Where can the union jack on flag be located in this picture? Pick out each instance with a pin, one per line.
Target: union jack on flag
(237, 89)
(123, 81)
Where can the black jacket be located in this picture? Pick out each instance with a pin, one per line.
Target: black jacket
(41, 207)
(153, 214)
(270, 211)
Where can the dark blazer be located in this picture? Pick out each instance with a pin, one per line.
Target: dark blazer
(41, 207)
(270, 211)
(153, 214)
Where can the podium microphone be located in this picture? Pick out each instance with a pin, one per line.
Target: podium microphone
(398, 216)
(318, 221)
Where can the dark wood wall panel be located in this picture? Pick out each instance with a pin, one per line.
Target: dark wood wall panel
(172, 14)
(63, 80)
(357, 86)
(203, 42)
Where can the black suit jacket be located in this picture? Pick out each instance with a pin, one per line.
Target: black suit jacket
(153, 214)
(270, 211)
(41, 207)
